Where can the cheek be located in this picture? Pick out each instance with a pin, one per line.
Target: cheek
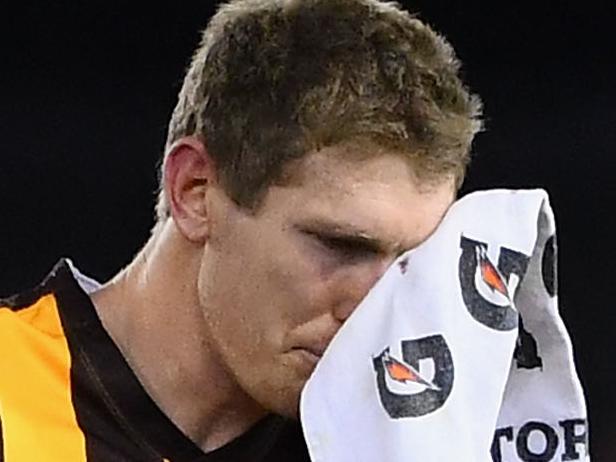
(255, 292)
(247, 297)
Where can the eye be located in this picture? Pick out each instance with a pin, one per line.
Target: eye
(346, 247)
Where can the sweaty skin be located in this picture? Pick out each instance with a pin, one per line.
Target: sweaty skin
(224, 313)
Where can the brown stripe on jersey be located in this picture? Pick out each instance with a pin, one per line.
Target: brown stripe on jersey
(37, 412)
(118, 418)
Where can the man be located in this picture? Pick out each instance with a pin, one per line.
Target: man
(313, 142)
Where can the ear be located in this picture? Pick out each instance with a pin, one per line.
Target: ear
(188, 174)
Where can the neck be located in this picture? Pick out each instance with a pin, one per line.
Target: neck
(151, 310)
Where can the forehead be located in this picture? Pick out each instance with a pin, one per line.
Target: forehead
(343, 161)
(361, 188)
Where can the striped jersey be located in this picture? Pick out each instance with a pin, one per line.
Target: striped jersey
(68, 395)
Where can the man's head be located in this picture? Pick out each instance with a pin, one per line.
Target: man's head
(274, 80)
(313, 141)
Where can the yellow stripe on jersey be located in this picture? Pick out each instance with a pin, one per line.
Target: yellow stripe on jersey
(36, 409)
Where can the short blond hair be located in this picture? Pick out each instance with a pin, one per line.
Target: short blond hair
(275, 79)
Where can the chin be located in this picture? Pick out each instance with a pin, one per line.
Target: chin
(279, 389)
(285, 400)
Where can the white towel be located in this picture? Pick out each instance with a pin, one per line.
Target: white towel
(458, 353)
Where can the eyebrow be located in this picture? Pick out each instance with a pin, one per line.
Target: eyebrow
(352, 234)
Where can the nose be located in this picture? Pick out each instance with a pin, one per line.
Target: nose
(353, 285)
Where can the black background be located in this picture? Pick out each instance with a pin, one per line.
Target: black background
(86, 89)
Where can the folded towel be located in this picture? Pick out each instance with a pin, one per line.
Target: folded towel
(458, 353)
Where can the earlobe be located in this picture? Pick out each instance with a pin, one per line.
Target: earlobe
(188, 173)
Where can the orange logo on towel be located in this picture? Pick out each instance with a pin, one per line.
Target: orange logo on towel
(490, 274)
(474, 266)
(393, 374)
(404, 373)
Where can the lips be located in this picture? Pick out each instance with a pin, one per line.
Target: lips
(314, 337)
(308, 357)
(317, 352)
(315, 349)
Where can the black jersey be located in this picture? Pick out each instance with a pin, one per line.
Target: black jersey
(68, 395)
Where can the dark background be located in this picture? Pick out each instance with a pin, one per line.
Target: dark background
(86, 90)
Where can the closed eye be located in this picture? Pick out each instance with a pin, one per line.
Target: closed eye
(347, 246)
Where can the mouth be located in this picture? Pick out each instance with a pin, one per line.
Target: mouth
(308, 354)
